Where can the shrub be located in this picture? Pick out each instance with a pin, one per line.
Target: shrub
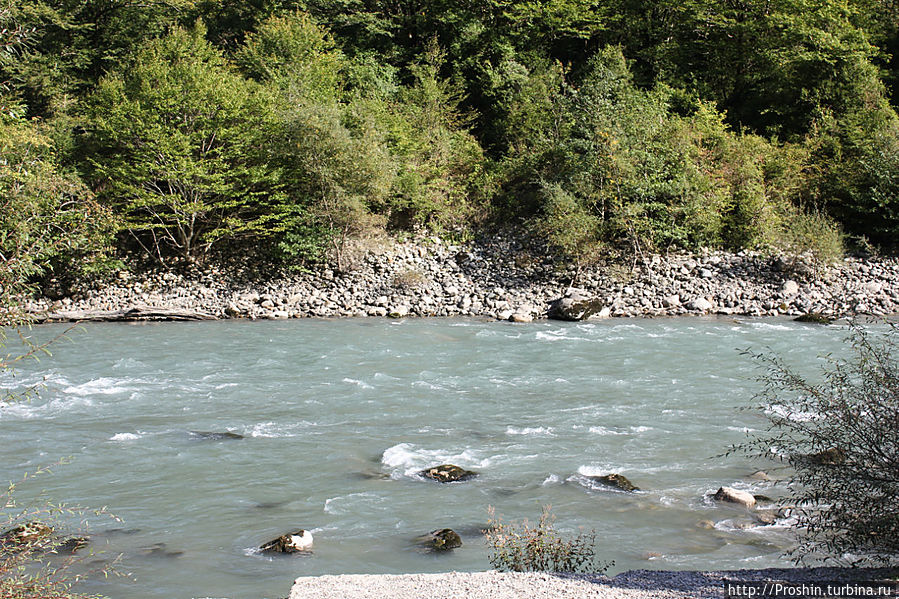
(521, 547)
(839, 436)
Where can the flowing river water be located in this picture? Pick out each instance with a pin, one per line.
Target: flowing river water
(338, 416)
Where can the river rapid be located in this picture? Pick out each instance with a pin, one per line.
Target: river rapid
(338, 416)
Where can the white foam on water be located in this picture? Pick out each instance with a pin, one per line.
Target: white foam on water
(358, 383)
(557, 336)
(428, 385)
(127, 436)
(641, 429)
(406, 459)
(225, 385)
(601, 430)
(102, 386)
(541, 431)
(279, 430)
(352, 503)
(552, 479)
(603, 470)
(783, 412)
(29, 410)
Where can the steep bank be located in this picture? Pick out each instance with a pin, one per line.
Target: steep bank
(501, 277)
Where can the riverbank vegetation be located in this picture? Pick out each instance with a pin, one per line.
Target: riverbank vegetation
(191, 130)
(838, 436)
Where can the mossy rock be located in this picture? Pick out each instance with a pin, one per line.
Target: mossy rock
(443, 539)
(616, 481)
(447, 473)
(814, 318)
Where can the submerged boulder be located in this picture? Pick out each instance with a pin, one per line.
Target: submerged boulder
(731, 495)
(300, 540)
(443, 539)
(615, 481)
(574, 306)
(216, 436)
(447, 473)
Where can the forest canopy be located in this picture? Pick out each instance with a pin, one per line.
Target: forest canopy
(182, 130)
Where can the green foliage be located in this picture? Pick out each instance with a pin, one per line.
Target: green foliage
(50, 224)
(521, 547)
(294, 53)
(176, 142)
(439, 161)
(613, 162)
(839, 437)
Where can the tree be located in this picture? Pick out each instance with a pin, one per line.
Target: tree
(839, 437)
(177, 150)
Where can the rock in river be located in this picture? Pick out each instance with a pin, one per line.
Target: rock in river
(215, 436)
(574, 306)
(300, 540)
(731, 495)
(442, 539)
(616, 481)
(447, 473)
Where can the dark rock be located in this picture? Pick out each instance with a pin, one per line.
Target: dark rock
(227, 435)
(294, 542)
(761, 498)
(73, 545)
(814, 318)
(829, 457)
(616, 481)
(443, 539)
(447, 473)
(574, 306)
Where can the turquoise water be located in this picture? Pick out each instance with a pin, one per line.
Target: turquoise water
(337, 416)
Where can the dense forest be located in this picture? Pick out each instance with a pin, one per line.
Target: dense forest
(181, 130)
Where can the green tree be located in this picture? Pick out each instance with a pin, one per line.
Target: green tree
(177, 148)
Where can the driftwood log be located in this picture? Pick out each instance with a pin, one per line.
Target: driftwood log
(133, 313)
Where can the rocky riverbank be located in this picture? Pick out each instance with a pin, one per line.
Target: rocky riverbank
(503, 277)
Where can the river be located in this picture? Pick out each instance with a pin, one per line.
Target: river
(338, 416)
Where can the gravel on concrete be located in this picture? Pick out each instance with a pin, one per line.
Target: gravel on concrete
(635, 584)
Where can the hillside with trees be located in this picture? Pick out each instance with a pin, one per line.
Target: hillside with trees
(180, 130)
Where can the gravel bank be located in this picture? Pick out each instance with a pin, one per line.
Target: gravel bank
(637, 584)
(502, 277)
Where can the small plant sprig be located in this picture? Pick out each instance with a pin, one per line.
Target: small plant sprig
(521, 547)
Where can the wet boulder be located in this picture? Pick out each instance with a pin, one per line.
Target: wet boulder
(615, 481)
(447, 473)
(443, 539)
(814, 318)
(731, 495)
(574, 306)
(300, 540)
(72, 545)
